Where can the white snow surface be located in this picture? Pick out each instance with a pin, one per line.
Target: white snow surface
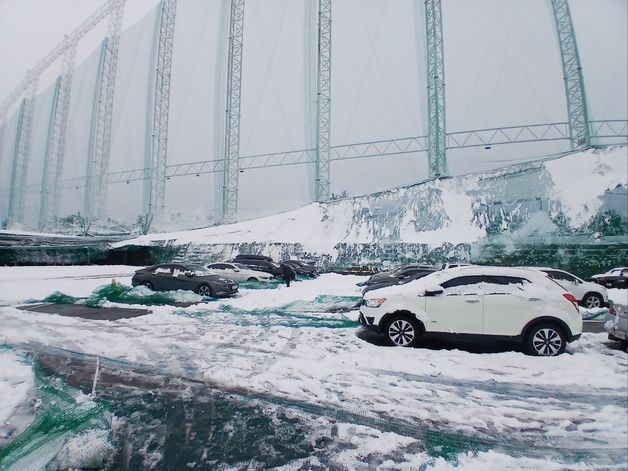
(432, 213)
(581, 179)
(244, 342)
(16, 388)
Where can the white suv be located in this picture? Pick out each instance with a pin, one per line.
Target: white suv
(589, 295)
(511, 303)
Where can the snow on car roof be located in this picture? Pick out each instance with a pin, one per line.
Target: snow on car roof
(438, 277)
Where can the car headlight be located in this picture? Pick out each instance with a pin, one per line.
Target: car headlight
(375, 302)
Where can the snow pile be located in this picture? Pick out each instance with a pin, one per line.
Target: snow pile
(16, 389)
(459, 210)
(580, 182)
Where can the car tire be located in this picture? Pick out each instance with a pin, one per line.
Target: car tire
(148, 284)
(402, 331)
(592, 300)
(204, 290)
(252, 279)
(545, 339)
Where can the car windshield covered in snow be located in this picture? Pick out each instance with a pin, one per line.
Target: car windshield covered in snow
(199, 270)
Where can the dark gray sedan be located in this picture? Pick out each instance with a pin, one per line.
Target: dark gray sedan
(187, 277)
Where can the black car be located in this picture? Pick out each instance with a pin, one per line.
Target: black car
(259, 263)
(301, 268)
(406, 277)
(615, 278)
(400, 274)
(188, 277)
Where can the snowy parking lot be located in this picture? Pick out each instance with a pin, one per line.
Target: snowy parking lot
(330, 394)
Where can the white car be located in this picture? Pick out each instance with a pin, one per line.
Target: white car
(238, 272)
(510, 303)
(589, 295)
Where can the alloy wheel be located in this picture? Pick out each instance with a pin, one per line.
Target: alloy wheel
(401, 332)
(204, 290)
(547, 342)
(592, 302)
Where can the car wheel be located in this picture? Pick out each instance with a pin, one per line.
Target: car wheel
(592, 300)
(148, 284)
(403, 331)
(545, 340)
(252, 279)
(204, 290)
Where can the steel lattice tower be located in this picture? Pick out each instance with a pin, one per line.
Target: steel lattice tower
(572, 76)
(21, 153)
(323, 102)
(55, 142)
(100, 133)
(437, 137)
(155, 187)
(232, 128)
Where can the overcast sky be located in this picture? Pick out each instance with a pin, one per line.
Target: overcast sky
(29, 29)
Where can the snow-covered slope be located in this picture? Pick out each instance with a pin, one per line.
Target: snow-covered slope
(554, 197)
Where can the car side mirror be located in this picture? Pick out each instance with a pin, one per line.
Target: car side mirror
(434, 291)
(189, 274)
(236, 269)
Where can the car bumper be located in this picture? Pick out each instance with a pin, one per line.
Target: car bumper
(225, 292)
(368, 322)
(617, 326)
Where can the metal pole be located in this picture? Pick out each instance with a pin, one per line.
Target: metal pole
(232, 129)
(156, 187)
(55, 143)
(21, 154)
(98, 165)
(437, 150)
(323, 102)
(572, 76)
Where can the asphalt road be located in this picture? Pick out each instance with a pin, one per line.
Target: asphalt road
(77, 310)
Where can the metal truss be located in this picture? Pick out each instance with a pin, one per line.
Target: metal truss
(572, 75)
(323, 102)
(156, 183)
(21, 153)
(437, 151)
(608, 129)
(55, 142)
(100, 133)
(508, 135)
(231, 169)
(378, 148)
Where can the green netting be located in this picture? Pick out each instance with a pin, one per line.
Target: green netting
(323, 311)
(59, 417)
(273, 284)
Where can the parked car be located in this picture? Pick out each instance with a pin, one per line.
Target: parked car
(398, 274)
(616, 323)
(519, 304)
(238, 272)
(401, 280)
(301, 268)
(259, 263)
(188, 277)
(455, 265)
(589, 295)
(615, 278)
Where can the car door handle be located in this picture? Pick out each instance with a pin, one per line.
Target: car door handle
(534, 299)
(471, 300)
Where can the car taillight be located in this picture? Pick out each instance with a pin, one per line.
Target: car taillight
(572, 299)
(611, 308)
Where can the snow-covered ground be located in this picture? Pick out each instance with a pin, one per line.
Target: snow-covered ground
(302, 344)
(432, 213)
